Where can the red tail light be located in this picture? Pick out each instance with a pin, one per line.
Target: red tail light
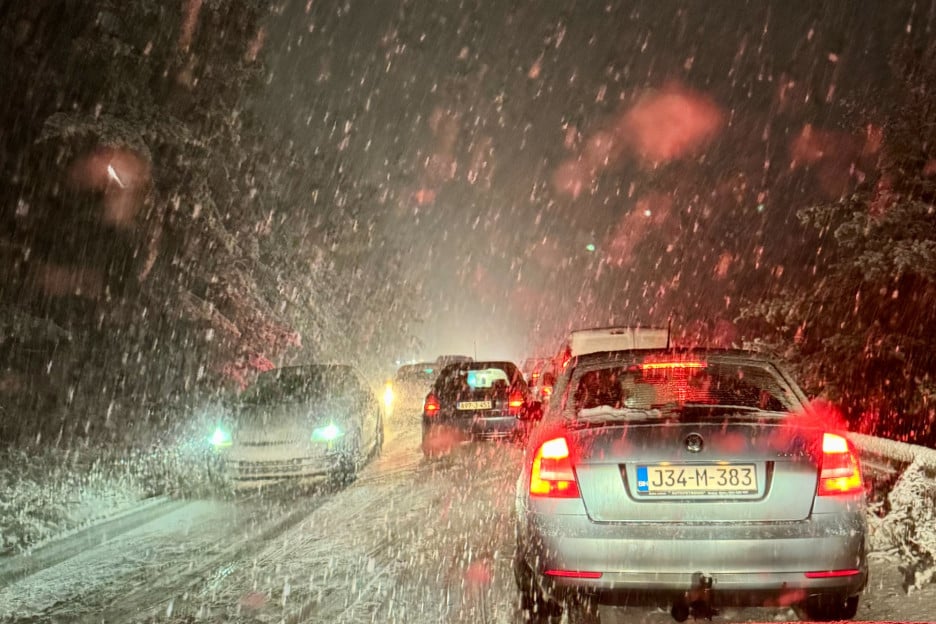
(546, 391)
(566, 357)
(431, 406)
(839, 472)
(515, 402)
(551, 474)
(671, 365)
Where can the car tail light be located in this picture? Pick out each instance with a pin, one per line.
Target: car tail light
(431, 406)
(515, 402)
(551, 474)
(839, 472)
(546, 391)
(671, 365)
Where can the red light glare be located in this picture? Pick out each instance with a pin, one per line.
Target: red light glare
(671, 365)
(573, 574)
(431, 407)
(839, 472)
(832, 443)
(832, 573)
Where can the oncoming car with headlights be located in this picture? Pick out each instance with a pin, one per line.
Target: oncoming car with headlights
(302, 423)
(687, 480)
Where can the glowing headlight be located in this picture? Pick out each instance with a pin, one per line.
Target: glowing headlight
(326, 433)
(388, 395)
(220, 438)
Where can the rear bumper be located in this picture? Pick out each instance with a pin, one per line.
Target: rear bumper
(758, 563)
(467, 429)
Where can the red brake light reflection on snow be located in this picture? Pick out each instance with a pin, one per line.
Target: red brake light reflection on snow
(839, 472)
(551, 474)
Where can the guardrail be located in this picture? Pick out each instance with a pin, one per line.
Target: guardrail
(891, 457)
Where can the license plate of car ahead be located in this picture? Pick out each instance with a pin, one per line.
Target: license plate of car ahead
(474, 405)
(697, 480)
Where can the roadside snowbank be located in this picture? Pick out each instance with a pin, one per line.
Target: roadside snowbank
(44, 494)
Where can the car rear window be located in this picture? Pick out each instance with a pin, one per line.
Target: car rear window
(477, 377)
(691, 382)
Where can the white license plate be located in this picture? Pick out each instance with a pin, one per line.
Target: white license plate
(697, 479)
(474, 405)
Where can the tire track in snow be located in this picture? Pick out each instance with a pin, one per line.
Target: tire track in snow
(167, 595)
(60, 550)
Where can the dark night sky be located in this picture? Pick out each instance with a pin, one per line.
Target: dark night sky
(461, 114)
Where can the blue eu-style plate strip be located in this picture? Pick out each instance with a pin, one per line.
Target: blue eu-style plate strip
(643, 484)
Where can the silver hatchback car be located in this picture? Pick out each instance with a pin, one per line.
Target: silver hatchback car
(687, 480)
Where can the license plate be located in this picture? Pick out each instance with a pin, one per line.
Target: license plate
(697, 479)
(474, 405)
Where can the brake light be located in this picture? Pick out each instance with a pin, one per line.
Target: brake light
(671, 365)
(839, 472)
(566, 357)
(547, 391)
(551, 474)
(515, 402)
(431, 406)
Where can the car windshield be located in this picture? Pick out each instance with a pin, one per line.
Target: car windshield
(294, 385)
(343, 311)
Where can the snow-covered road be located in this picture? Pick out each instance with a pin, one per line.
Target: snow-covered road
(408, 542)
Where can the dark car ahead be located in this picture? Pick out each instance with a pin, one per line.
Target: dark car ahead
(303, 424)
(687, 480)
(475, 401)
